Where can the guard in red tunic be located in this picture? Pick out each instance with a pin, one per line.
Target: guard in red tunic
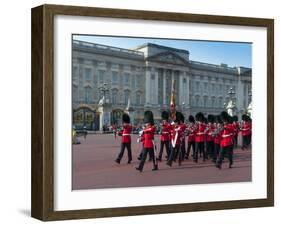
(226, 142)
(165, 135)
(209, 138)
(246, 131)
(200, 136)
(190, 136)
(126, 139)
(175, 139)
(148, 141)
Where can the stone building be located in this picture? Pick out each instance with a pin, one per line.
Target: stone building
(107, 78)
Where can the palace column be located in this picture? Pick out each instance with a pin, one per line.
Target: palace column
(155, 91)
(181, 89)
(187, 97)
(147, 87)
(164, 88)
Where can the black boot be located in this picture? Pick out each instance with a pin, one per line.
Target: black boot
(118, 161)
(155, 168)
(139, 169)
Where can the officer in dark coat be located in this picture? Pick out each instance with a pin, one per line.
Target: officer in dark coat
(126, 139)
(191, 136)
(210, 138)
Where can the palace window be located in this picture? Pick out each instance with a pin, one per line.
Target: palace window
(114, 77)
(88, 74)
(87, 94)
(213, 102)
(126, 96)
(127, 79)
(138, 98)
(114, 96)
(197, 101)
(101, 77)
(205, 101)
(197, 86)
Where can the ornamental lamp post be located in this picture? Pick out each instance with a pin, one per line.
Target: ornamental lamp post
(104, 106)
(231, 106)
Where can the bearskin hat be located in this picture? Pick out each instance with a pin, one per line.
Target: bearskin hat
(191, 118)
(225, 117)
(235, 118)
(148, 117)
(244, 117)
(181, 117)
(165, 115)
(218, 119)
(125, 118)
(178, 117)
(211, 118)
(199, 117)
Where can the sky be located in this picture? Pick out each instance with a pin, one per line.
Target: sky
(213, 52)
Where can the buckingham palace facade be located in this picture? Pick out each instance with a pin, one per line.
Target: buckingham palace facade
(106, 81)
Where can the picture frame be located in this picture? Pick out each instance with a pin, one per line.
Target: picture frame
(43, 182)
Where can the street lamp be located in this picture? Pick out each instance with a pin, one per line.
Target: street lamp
(231, 93)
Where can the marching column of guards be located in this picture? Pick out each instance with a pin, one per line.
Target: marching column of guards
(213, 137)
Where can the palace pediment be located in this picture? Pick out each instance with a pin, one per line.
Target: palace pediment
(168, 57)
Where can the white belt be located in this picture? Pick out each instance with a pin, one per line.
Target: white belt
(227, 135)
(165, 132)
(126, 134)
(199, 133)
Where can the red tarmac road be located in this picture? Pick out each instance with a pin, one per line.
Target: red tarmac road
(94, 166)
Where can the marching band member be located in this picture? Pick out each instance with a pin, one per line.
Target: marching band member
(191, 136)
(126, 139)
(175, 139)
(199, 136)
(165, 135)
(246, 130)
(148, 141)
(226, 141)
(209, 137)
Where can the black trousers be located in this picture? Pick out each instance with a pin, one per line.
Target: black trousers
(217, 150)
(246, 141)
(173, 153)
(225, 151)
(235, 140)
(123, 146)
(165, 143)
(144, 156)
(199, 148)
(211, 149)
(189, 145)
(182, 152)
(149, 153)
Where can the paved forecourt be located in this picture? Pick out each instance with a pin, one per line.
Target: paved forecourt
(94, 166)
